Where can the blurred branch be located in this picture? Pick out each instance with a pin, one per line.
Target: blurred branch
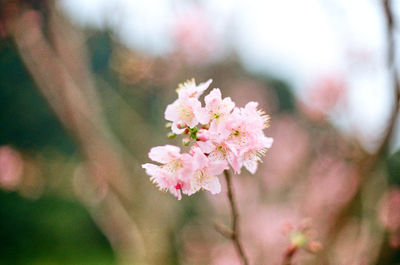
(223, 230)
(368, 164)
(234, 235)
(61, 72)
(288, 255)
(391, 64)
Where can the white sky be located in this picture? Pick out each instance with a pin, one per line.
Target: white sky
(297, 40)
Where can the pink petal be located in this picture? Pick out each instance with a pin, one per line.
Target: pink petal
(217, 167)
(151, 169)
(228, 104)
(213, 98)
(199, 158)
(206, 147)
(164, 154)
(171, 113)
(251, 166)
(202, 115)
(213, 185)
(203, 86)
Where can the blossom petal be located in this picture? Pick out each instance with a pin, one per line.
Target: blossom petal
(171, 113)
(217, 167)
(206, 147)
(251, 165)
(213, 185)
(164, 154)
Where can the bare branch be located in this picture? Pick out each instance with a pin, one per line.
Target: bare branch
(235, 220)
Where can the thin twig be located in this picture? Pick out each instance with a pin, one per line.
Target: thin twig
(391, 54)
(288, 255)
(68, 87)
(235, 220)
(226, 232)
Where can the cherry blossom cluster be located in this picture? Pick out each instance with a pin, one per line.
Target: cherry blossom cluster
(220, 135)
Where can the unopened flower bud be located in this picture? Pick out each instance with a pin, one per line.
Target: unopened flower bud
(181, 125)
(314, 246)
(171, 135)
(202, 135)
(186, 141)
(186, 131)
(298, 239)
(168, 125)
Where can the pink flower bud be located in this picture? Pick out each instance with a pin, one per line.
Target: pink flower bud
(181, 125)
(314, 246)
(186, 141)
(202, 135)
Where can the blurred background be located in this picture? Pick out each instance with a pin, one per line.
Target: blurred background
(83, 89)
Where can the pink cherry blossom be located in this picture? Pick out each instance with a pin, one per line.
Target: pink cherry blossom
(216, 108)
(228, 136)
(186, 110)
(217, 146)
(246, 134)
(206, 172)
(171, 175)
(182, 113)
(239, 138)
(189, 89)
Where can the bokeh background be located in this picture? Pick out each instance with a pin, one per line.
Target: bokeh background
(83, 89)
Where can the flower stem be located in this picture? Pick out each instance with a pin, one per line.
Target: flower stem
(235, 220)
(288, 255)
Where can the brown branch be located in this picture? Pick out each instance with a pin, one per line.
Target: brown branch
(391, 53)
(288, 255)
(223, 230)
(66, 83)
(235, 220)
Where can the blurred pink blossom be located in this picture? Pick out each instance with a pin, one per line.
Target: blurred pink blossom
(291, 148)
(332, 183)
(322, 96)
(11, 168)
(262, 234)
(194, 36)
(389, 215)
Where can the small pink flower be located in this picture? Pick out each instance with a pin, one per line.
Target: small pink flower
(189, 89)
(186, 110)
(246, 134)
(238, 139)
(172, 174)
(216, 108)
(217, 146)
(206, 172)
